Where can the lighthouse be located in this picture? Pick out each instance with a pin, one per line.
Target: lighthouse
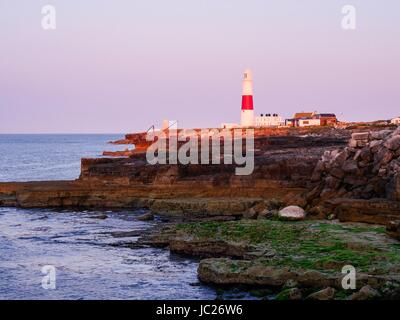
(247, 115)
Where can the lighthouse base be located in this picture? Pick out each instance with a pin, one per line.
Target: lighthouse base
(247, 118)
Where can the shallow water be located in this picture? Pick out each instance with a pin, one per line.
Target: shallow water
(87, 264)
(78, 245)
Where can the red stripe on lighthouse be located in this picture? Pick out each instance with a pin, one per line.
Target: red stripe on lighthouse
(247, 102)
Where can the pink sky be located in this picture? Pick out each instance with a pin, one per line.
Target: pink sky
(123, 65)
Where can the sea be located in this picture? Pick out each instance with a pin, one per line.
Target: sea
(72, 254)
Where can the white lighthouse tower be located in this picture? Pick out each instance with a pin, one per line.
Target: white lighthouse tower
(247, 114)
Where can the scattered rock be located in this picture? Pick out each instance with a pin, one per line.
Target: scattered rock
(365, 293)
(293, 213)
(350, 166)
(195, 284)
(360, 135)
(290, 284)
(290, 294)
(393, 143)
(324, 294)
(126, 234)
(250, 214)
(379, 135)
(374, 145)
(383, 156)
(146, 217)
(393, 229)
(209, 248)
(100, 217)
(331, 216)
(267, 214)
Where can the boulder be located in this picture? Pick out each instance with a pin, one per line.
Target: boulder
(353, 143)
(360, 136)
(355, 180)
(332, 182)
(379, 135)
(337, 173)
(250, 214)
(365, 154)
(293, 213)
(340, 158)
(362, 143)
(324, 294)
(365, 293)
(383, 156)
(393, 229)
(267, 214)
(393, 143)
(350, 166)
(374, 145)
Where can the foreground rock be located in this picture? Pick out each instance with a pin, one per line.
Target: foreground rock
(324, 294)
(365, 293)
(256, 273)
(281, 255)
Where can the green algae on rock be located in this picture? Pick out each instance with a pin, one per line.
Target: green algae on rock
(271, 252)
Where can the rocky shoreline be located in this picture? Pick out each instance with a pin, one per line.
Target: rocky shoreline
(283, 257)
(289, 228)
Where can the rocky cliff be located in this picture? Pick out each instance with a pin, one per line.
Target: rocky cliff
(283, 169)
(362, 180)
(317, 169)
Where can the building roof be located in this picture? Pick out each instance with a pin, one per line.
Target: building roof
(299, 115)
(326, 115)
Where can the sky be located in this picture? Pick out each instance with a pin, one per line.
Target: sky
(118, 66)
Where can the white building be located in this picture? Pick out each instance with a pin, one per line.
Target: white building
(268, 120)
(308, 122)
(395, 121)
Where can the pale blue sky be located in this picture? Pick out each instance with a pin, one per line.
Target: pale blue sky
(123, 65)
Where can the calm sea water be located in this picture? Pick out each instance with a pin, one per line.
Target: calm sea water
(80, 246)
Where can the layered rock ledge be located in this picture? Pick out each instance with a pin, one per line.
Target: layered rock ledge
(283, 169)
(351, 174)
